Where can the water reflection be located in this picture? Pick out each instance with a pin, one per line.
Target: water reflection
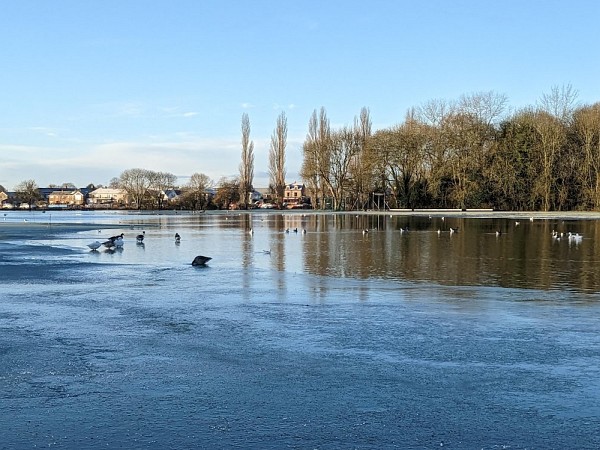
(494, 252)
(482, 251)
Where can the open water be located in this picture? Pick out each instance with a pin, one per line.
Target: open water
(328, 339)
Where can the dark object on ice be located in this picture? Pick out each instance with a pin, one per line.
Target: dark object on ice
(200, 260)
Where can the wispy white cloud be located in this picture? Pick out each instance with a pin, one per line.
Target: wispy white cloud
(100, 163)
(130, 110)
(133, 109)
(277, 106)
(183, 153)
(247, 105)
(45, 131)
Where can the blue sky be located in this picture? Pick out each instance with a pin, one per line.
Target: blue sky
(92, 88)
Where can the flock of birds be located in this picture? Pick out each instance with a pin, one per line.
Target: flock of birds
(116, 242)
(571, 237)
(111, 243)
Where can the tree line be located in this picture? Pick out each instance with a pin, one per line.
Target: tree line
(469, 153)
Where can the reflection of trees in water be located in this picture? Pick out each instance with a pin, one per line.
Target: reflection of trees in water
(521, 256)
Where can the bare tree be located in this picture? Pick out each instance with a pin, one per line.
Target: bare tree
(247, 164)
(228, 193)
(315, 152)
(433, 112)
(277, 157)
(550, 137)
(195, 190)
(433, 115)
(27, 192)
(362, 163)
(160, 183)
(560, 102)
(587, 130)
(400, 159)
(343, 147)
(136, 183)
(486, 107)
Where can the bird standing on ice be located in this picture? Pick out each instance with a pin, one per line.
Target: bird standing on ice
(94, 245)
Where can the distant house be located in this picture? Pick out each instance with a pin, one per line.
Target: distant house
(294, 194)
(3, 197)
(46, 191)
(66, 199)
(103, 197)
(255, 196)
(171, 195)
(9, 201)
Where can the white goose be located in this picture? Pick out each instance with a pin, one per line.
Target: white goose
(94, 245)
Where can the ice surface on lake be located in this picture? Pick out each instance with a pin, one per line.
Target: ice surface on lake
(331, 340)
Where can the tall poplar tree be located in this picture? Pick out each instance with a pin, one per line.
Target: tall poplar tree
(277, 157)
(247, 164)
(316, 155)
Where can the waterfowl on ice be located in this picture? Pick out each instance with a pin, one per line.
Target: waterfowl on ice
(94, 245)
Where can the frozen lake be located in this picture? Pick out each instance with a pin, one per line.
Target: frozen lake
(332, 338)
